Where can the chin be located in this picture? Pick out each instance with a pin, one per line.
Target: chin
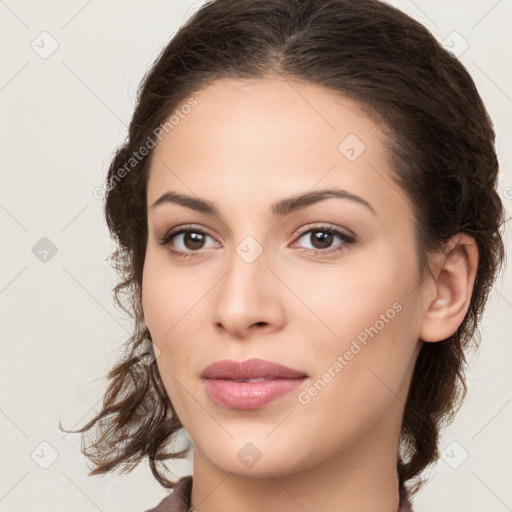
(255, 459)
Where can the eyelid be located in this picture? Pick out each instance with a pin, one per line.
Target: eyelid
(326, 225)
(187, 227)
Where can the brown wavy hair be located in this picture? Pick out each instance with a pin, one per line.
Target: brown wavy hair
(441, 144)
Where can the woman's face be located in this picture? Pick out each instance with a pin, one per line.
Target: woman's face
(346, 316)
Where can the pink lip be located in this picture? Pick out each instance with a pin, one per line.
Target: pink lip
(250, 369)
(279, 380)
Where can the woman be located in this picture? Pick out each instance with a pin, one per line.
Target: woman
(308, 231)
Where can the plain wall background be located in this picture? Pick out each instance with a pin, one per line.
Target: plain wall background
(62, 117)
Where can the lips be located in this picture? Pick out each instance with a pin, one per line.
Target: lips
(251, 370)
(250, 384)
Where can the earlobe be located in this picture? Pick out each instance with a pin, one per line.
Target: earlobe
(454, 279)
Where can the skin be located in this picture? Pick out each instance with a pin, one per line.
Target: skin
(246, 145)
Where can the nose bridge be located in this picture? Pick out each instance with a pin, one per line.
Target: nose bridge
(248, 272)
(246, 295)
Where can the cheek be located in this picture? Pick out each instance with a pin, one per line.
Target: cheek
(362, 376)
(353, 295)
(365, 344)
(174, 313)
(168, 296)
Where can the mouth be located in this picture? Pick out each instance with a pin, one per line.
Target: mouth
(249, 384)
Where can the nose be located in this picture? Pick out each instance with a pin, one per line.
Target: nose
(248, 299)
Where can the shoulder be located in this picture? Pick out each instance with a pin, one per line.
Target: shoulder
(178, 499)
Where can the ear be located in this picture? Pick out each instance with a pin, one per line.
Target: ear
(448, 300)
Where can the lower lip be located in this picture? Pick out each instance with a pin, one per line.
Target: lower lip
(249, 395)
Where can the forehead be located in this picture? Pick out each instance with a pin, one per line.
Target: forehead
(231, 110)
(264, 139)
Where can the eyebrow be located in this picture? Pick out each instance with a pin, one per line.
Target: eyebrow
(279, 209)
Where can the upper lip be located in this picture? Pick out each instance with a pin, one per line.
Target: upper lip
(249, 369)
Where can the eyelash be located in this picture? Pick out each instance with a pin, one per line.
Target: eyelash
(170, 235)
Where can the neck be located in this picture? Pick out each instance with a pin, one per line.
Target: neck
(360, 479)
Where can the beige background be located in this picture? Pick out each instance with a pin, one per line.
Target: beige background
(62, 116)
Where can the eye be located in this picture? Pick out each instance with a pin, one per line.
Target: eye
(321, 239)
(186, 238)
(184, 242)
